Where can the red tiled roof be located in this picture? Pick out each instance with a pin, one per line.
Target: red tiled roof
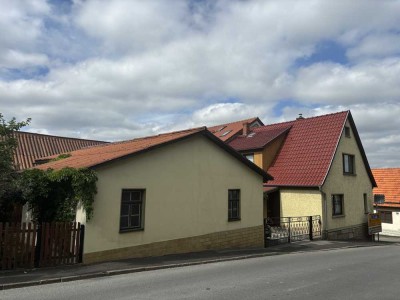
(258, 138)
(226, 131)
(388, 180)
(32, 146)
(98, 155)
(94, 156)
(308, 150)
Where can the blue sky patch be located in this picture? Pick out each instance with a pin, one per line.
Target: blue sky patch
(325, 51)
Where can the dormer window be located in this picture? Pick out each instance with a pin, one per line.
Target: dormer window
(347, 131)
(226, 133)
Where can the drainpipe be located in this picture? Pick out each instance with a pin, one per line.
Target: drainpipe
(324, 212)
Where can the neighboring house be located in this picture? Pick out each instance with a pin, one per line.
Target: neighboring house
(33, 146)
(319, 168)
(227, 132)
(171, 193)
(387, 199)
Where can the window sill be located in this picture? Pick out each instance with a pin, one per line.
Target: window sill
(338, 216)
(130, 230)
(234, 220)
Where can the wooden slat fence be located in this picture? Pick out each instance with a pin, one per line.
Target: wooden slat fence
(60, 244)
(29, 245)
(17, 245)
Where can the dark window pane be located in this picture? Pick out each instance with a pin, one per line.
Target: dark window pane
(124, 222)
(136, 195)
(125, 196)
(135, 221)
(135, 209)
(124, 209)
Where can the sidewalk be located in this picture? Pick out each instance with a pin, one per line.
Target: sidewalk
(22, 278)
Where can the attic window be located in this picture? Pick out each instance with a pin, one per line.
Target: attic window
(251, 134)
(347, 131)
(379, 198)
(225, 133)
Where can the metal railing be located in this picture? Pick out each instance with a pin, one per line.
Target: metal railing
(291, 229)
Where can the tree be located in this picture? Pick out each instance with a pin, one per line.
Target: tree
(10, 194)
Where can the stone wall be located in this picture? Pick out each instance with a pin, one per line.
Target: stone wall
(239, 238)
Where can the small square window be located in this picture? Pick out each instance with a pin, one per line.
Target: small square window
(347, 131)
(233, 205)
(379, 198)
(337, 205)
(348, 164)
(386, 217)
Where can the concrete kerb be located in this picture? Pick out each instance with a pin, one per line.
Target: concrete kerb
(160, 267)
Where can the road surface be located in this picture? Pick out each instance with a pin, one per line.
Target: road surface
(355, 273)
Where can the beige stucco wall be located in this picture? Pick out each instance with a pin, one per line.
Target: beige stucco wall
(351, 186)
(271, 151)
(186, 187)
(298, 202)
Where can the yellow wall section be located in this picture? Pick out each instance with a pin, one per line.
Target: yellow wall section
(351, 186)
(186, 195)
(271, 151)
(296, 203)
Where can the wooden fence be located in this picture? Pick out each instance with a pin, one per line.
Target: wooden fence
(29, 245)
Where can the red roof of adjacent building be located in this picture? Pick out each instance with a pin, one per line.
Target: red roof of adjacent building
(307, 152)
(388, 180)
(32, 146)
(99, 155)
(227, 131)
(258, 138)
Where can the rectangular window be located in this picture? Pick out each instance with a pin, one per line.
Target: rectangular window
(386, 217)
(250, 156)
(233, 205)
(379, 198)
(348, 164)
(337, 205)
(131, 217)
(366, 206)
(347, 131)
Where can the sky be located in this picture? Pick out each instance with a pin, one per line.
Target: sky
(120, 69)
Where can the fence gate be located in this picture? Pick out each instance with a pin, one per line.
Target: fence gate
(29, 245)
(291, 229)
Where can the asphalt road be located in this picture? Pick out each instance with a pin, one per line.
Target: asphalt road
(355, 273)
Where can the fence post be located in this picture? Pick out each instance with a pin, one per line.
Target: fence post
(289, 231)
(310, 221)
(81, 241)
(38, 245)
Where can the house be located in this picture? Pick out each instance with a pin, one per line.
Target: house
(227, 132)
(387, 199)
(319, 168)
(172, 193)
(33, 146)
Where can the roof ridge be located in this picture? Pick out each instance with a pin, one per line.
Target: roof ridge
(160, 134)
(240, 121)
(389, 168)
(306, 118)
(58, 136)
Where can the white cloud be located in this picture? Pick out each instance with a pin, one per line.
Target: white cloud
(119, 69)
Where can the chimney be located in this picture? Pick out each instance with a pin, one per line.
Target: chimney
(300, 117)
(246, 128)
